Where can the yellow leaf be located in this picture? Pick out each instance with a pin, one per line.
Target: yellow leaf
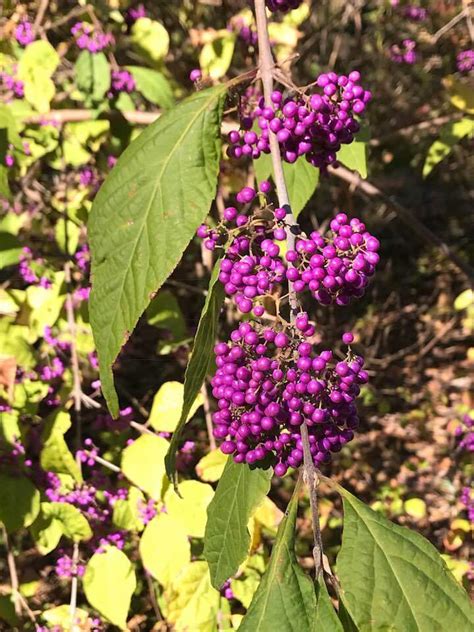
(268, 514)
(143, 463)
(415, 507)
(164, 548)
(462, 94)
(211, 466)
(167, 405)
(191, 509)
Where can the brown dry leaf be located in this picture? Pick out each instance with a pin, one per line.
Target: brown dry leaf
(7, 374)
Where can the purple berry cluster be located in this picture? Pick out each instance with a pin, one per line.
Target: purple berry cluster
(122, 81)
(252, 265)
(312, 126)
(24, 34)
(269, 382)
(465, 61)
(335, 268)
(282, 5)
(88, 38)
(10, 84)
(404, 53)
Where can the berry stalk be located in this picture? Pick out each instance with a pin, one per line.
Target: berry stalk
(266, 64)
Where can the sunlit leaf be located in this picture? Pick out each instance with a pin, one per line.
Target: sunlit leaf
(191, 508)
(144, 216)
(109, 582)
(143, 463)
(167, 406)
(449, 135)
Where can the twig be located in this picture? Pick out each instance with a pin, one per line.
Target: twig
(74, 587)
(151, 592)
(43, 5)
(99, 459)
(371, 191)
(266, 65)
(312, 480)
(13, 574)
(449, 25)
(423, 125)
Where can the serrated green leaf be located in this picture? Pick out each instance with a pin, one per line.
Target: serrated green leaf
(55, 455)
(449, 135)
(301, 181)
(190, 506)
(201, 357)
(19, 502)
(143, 463)
(144, 216)
(227, 538)
(394, 579)
(326, 617)
(109, 582)
(92, 72)
(153, 85)
(285, 601)
(167, 406)
(164, 548)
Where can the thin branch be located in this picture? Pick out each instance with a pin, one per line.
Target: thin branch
(449, 25)
(13, 574)
(266, 68)
(371, 191)
(43, 5)
(99, 459)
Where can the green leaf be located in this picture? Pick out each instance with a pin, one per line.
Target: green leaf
(55, 455)
(19, 502)
(190, 506)
(216, 56)
(200, 360)
(150, 38)
(191, 602)
(7, 610)
(143, 463)
(126, 511)
(67, 235)
(301, 181)
(164, 548)
(449, 135)
(394, 579)
(74, 524)
(144, 216)
(354, 156)
(153, 85)
(92, 72)
(326, 617)
(109, 582)
(164, 312)
(285, 601)
(263, 167)
(10, 250)
(46, 532)
(227, 538)
(167, 405)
